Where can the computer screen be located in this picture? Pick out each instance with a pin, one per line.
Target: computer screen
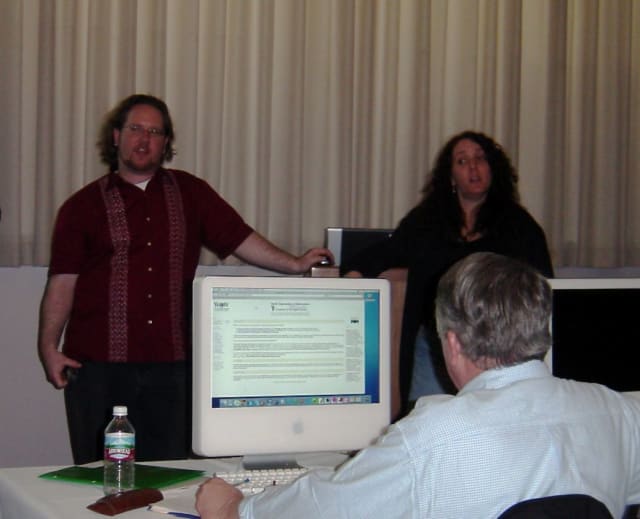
(286, 365)
(594, 330)
(346, 242)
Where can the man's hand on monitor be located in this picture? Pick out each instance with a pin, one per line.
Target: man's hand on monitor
(217, 499)
(315, 257)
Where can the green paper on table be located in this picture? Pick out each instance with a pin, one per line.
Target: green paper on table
(147, 476)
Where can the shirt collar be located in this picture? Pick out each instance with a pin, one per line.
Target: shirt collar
(504, 376)
(114, 180)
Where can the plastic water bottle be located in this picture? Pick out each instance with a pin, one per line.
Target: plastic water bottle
(119, 453)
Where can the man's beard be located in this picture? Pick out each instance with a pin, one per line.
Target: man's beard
(143, 167)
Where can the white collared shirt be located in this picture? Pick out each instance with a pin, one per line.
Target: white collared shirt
(510, 434)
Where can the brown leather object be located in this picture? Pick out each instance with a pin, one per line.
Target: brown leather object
(125, 501)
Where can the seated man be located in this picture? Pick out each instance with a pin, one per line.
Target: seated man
(513, 432)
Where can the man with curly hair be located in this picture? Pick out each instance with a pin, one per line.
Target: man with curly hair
(124, 254)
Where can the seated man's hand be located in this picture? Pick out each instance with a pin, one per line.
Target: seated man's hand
(216, 499)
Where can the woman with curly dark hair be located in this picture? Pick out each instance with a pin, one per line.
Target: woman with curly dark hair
(470, 204)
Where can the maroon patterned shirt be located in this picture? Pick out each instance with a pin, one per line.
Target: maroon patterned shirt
(135, 253)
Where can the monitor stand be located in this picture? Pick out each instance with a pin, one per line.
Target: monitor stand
(269, 461)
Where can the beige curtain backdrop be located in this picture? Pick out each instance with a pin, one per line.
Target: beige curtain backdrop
(313, 113)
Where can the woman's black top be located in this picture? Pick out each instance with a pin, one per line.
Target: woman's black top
(421, 245)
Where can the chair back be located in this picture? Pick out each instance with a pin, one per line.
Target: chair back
(576, 506)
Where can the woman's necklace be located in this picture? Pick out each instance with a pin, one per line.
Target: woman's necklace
(468, 235)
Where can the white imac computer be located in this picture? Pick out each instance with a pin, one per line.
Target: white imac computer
(289, 365)
(595, 331)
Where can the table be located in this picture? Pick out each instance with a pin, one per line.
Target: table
(23, 495)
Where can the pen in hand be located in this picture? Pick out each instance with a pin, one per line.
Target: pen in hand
(166, 511)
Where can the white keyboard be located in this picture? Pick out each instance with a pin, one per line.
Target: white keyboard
(255, 481)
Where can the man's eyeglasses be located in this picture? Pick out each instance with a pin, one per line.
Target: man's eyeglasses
(136, 129)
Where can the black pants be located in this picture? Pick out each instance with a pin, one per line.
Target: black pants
(158, 398)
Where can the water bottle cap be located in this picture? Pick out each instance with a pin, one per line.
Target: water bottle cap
(120, 410)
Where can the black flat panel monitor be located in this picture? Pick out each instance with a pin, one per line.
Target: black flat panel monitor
(346, 242)
(595, 331)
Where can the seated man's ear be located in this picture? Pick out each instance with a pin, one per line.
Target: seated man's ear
(455, 360)
(452, 344)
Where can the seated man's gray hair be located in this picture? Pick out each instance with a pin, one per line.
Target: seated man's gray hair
(498, 307)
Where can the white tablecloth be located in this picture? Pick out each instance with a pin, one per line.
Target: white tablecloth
(23, 495)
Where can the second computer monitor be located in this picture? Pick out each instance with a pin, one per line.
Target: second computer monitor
(594, 330)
